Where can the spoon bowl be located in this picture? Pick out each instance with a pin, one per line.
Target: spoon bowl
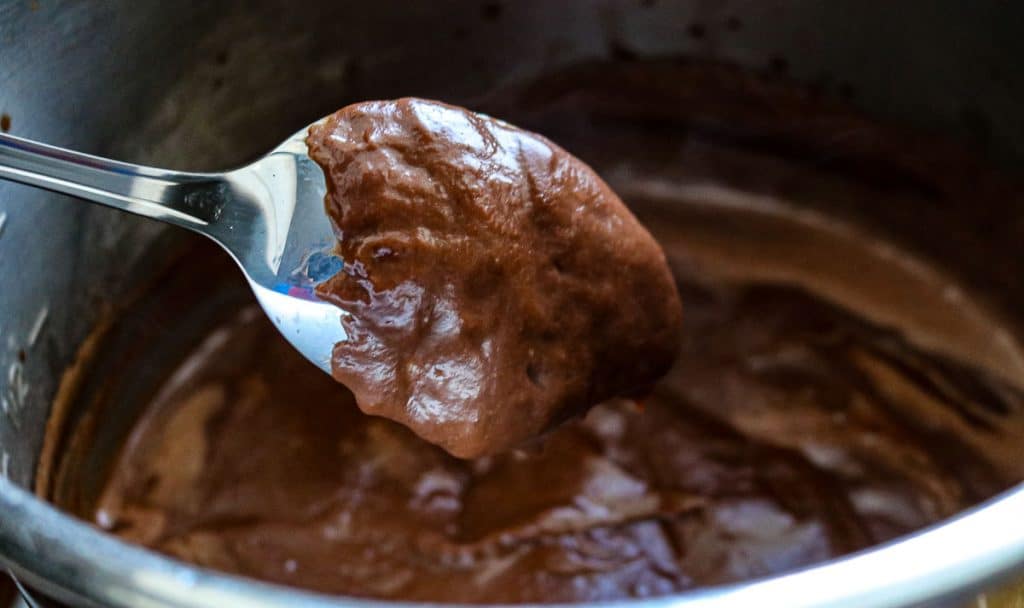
(269, 215)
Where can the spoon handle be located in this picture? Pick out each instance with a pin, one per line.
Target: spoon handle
(192, 200)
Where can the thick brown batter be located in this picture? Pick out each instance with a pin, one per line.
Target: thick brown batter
(790, 430)
(496, 285)
(777, 441)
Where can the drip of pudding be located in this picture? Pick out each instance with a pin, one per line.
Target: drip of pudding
(495, 285)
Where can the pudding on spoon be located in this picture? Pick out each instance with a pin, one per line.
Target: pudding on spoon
(495, 285)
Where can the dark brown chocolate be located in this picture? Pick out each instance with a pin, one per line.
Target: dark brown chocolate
(780, 439)
(496, 285)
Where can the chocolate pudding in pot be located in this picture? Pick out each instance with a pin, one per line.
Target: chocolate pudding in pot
(833, 389)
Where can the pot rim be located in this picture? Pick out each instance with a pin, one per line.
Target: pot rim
(71, 560)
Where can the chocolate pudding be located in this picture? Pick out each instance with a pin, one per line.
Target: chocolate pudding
(833, 389)
(496, 286)
(778, 440)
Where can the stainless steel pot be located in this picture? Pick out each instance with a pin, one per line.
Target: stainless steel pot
(207, 85)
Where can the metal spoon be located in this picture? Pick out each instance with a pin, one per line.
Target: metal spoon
(268, 215)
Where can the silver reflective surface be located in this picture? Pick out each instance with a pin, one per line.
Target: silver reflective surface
(214, 84)
(268, 215)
